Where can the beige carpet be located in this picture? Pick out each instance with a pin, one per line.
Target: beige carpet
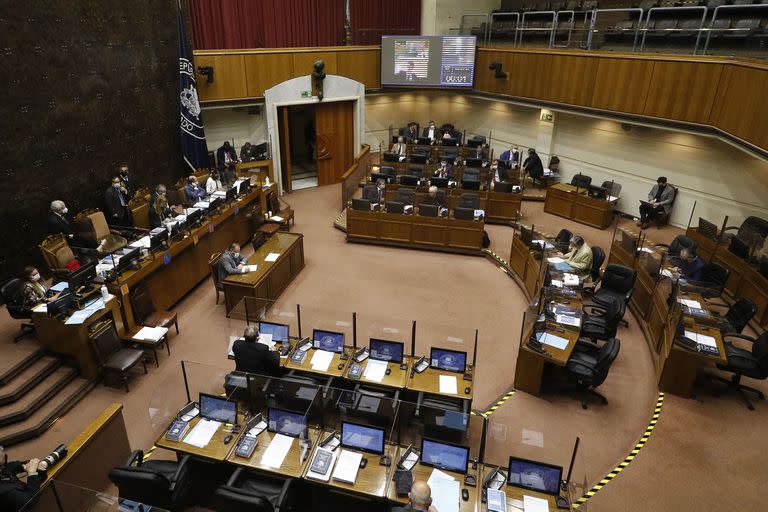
(700, 453)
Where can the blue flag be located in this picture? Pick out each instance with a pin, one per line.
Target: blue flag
(193, 145)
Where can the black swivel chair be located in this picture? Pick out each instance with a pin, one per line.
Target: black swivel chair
(470, 180)
(468, 200)
(712, 282)
(678, 244)
(246, 491)
(588, 366)
(405, 196)
(600, 322)
(616, 286)
(581, 180)
(160, 483)
(563, 240)
(737, 317)
(370, 192)
(598, 257)
(744, 363)
(13, 296)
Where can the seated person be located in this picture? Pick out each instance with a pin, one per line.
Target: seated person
(431, 132)
(34, 290)
(213, 183)
(444, 170)
(399, 148)
(57, 223)
(476, 153)
(15, 494)
(193, 190)
(433, 197)
(159, 209)
(247, 152)
(411, 132)
(512, 155)
(447, 134)
(231, 262)
(579, 258)
(690, 266)
(533, 165)
(254, 357)
(419, 499)
(381, 186)
(659, 199)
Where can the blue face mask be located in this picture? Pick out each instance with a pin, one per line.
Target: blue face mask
(116, 185)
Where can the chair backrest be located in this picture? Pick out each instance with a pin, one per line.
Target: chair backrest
(389, 171)
(464, 213)
(56, 252)
(756, 224)
(682, 242)
(471, 174)
(564, 236)
(581, 180)
(415, 170)
(760, 351)
(363, 205)
(598, 257)
(469, 201)
(740, 313)
(213, 266)
(370, 193)
(12, 293)
(238, 499)
(140, 212)
(92, 225)
(141, 301)
(618, 278)
(612, 187)
(105, 344)
(142, 484)
(405, 196)
(715, 273)
(605, 358)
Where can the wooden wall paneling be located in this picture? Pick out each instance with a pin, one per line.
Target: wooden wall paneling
(530, 76)
(622, 84)
(303, 62)
(361, 65)
(572, 79)
(683, 91)
(485, 79)
(229, 80)
(740, 106)
(265, 70)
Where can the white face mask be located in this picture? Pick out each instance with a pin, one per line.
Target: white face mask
(65, 210)
(236, 254)
(35, 277)
(116, 185)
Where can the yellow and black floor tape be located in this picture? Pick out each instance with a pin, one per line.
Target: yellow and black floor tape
(493, 407)
(623, 465)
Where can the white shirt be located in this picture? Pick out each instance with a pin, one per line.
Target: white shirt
(212, 186)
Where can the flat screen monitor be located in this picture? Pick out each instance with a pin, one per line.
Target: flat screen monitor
(82, 276)
(391, 157)
(448, 456)
(194, 216)
(215, 203)
(470, 184)
(419, 158)
(62, 302)
(439, 182)
(529, 474)
(428, 210)
(157, 239)
(447, 61)
(388, 178)
(474, 162)
(244, 186)
(475, 142)
(450, 141)
(126, 258)
(395, 207)
(284, 422)
(279, 332)
(362, 437)
(384, 350)
(596, 192)
(526, 235)
(261, 149)
(448, 360)
(407, 179)
(464, 213)
(363, 205)
(231, 193)
(216, 408)
(328, 340)
(502, 187)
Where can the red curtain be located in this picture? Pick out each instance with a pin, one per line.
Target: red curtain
(229, 24)
(372, 19)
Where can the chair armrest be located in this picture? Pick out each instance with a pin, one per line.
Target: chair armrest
(731, 228)
(739, 336)
(579, 363)
(283, 494)
(136, 456)
(180, 470)
(734, 358)
(593, 306)
(663, 246)
(234, 477)
(589, 343)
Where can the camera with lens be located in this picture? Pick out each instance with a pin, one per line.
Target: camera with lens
(55, 456)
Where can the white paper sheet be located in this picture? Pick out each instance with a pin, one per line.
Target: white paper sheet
(555, 259)
(202, 204)
(544, 243)
(448, 384)
(570, 279)
(557, 283)
(250, 268)
(709, 341)
(347, 466)
(201, 435)
(497, 501)
(275, 453)
(446, 495)
(438, 475)
(321, 360)
(667, 273)
(79, 317)
(552, 340)
(276, 218)
(232, 340)
(410, 460)
(41, 308)
(647, 249)
(272, 256)
(531, 504)
(690, 303)
(141, 242)
(60, 286)
(266, 339)
(568, 320)
(375, 370)
(150, 333)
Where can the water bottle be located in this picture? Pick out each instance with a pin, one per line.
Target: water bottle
(104, 292)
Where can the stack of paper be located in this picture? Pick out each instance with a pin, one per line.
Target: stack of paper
(275, 453)
(531, 504)
(141, 242)
(568, 320)
(347, 466)
(321, 360)
(276, 218)
(555, 259)
(448, 384)
(79, 317)
(375, 370)
(272, 256)
(446, 495)
(201, 435)
(202, 204)
(570, 280)
(249, 268)
(219, 193)
(690, 303)
(701, 339)
(266, 339)
(552, 340)
(150, 333)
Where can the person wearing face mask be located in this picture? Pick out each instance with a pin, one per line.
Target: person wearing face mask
(443, 170)
(57, 223)
(193, 190)
(127, 186)
(159, 209)
(34, 291)
(691, 265)
(226, 157)
(214, 183)
(117, 211)
(231, 262)
(431, 132)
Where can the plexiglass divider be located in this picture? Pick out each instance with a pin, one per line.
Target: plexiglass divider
(445, 344)
(60, 496)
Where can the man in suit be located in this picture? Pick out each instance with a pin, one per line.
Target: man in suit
(231, 262)
(117, 211)
(691, 265)
(659, 199)
(193, 190)
(57, 223)
(399, 148)
(579, 258)
(419, 499)
(226, 159)
(411, 132)
(14, 493)
(247, 153)
(476, 152)
(127, 185)
(254, 357)
(512, 155)
(431, 132)
(533, 165)
(444, 170)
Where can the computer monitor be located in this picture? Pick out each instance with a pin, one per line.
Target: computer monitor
(363, 205)
(407, 179)
(452, 141)
(384, 350)
(245, 186)
(279, 332)
(424, 141)
(217, 408)
(439, 182)
(395, 207)
(448, 360)
(390, 157)
(474, 162)
(388, 178)
(739, 247)
(61, 303)
(470, 184)
(194, 216)
(231, 193)
(81, 277)
(126, 258)
(505, 187)
(328, 340)
(477, 140)
(529, 474)
(419, 158)
(362, 437)
(261, 149)
(596, 192)
(284, 422)
(428, 210)
(215, 203)
(448, 456)
(464, 213)
(157, 239)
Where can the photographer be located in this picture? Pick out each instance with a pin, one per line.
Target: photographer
(14, 493)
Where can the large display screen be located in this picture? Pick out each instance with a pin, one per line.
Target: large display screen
(447, 61)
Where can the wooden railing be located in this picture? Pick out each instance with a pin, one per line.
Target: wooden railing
(350, 180)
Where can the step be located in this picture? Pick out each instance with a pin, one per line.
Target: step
(30, 377)
(37, 397)
(17, 358)
(36, 424)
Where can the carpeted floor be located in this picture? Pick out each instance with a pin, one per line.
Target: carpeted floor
(701, 452)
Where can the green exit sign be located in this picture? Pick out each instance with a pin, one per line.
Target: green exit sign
(546, 117)
(306, 94)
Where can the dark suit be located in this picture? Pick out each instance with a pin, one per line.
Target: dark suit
(255, 358)
(129, 185)
(117, 211)
(533, 166)
(448, 173)
(439, 200)
(436, 134)
(14, 493)
(58, 224)
(227, 173)
(228, 265)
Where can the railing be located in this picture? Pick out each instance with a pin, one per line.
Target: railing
(350, 180)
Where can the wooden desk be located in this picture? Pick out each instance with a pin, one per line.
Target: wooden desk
(215, 450)
(396, 379)
(526, 266)
(681, 365)
(333, 368)
(371, 481)
(292, 465)
(261, 169)
(530, 364)
(567, 201)
(271, 278)
(73, 341)
(428, 382)
(512, 492)
(422, 472)
(171, 274)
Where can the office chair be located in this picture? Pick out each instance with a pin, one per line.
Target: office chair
(742, 362)
(737, 317)
(712, 282)
(91, 226)
(250, 492)
(139, 207)
(213, 266)
(361, 205)
(588, 367)
(112, 357)
(678, 244)
(613, 188)
(13, 296)
(598, 257)
(405, 196)
(370, 192)
(662, 217)
(57, 255)
(282, 209)
(616, 286)
(563, 240)
(755, 224)
(159, 483)
(600, 322)
(470, 180)
(469, 200)
(581, 180)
